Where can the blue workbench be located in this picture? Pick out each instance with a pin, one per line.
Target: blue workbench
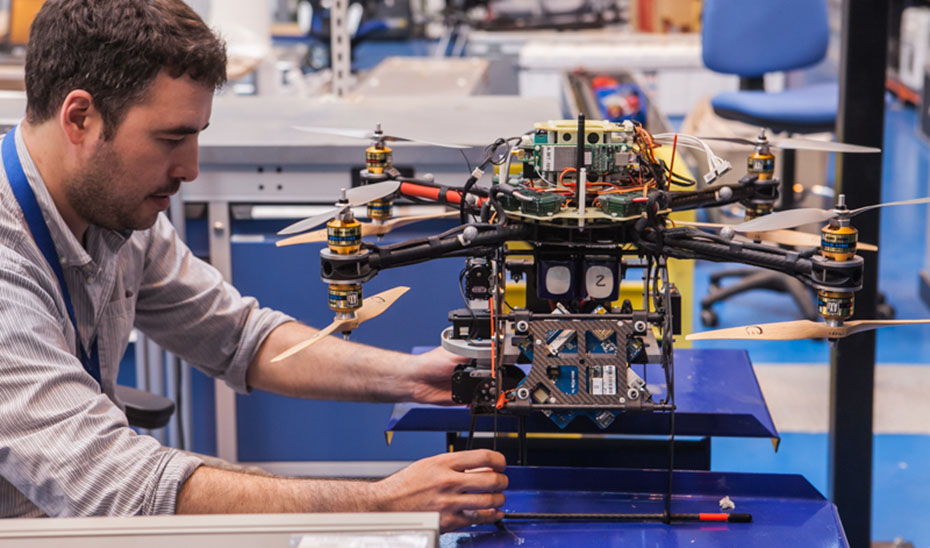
(786, 510)
(716, 393)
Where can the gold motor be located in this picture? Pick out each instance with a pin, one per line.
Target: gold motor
(838, 242)
(835, 305)
(345, 297)
(344, 236)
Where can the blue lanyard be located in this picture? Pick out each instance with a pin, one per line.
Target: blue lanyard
(43, 238)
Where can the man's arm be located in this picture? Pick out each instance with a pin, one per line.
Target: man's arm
(465, 488)
(66, 446)
(338, 369)
(186, 307)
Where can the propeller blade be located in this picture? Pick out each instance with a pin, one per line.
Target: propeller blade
(797, 329)
(784, 237)
(314, 237)
(370, 135)
(858, 326)
(310, 222)
(793, 238)
(789, 218)
(886, 204)
(781, 331)
(361, 195)
(374, 306)
(369, 229)
(699, 224)
(354, 196)
(425, 142)
(300, 346)
(824, 146)
(354, 133)
(737, 140)
(798, 144)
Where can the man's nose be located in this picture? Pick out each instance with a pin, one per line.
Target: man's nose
(186, 167)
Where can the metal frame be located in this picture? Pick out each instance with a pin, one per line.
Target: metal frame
(221, 257)
(860, 121)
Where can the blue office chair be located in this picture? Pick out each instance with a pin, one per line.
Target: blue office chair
(750, 38)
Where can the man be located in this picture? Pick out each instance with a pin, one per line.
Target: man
(118, 91)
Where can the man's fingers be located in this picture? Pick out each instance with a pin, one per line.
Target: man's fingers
(480, 501)
(477, 458)
(482, 482)
(475, 517)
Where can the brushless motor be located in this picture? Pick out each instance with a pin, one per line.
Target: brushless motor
(761, 163)
(377, 159)
(344, 236)
(345, 297)
(838, 242)
(835, 305)
(380, 210)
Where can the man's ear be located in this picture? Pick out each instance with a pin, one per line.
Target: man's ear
(79, 119)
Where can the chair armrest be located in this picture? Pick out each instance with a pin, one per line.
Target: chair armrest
(144, 409)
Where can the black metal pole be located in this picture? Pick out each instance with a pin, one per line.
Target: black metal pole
(860, 120)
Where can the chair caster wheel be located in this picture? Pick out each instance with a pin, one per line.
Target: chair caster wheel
(709, 318)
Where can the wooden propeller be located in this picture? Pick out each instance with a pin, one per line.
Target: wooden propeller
(368, 229)
(372, 307)
(793, 238)
(797, 329)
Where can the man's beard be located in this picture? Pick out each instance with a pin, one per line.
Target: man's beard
(95, 195)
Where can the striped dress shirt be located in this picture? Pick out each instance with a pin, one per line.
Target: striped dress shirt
(65, 446)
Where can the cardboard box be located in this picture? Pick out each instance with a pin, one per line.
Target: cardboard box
(665, 15)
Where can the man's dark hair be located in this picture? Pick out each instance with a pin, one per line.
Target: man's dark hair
(114, 49)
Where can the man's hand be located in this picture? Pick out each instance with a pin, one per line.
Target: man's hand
(464, 487)
(431, 376)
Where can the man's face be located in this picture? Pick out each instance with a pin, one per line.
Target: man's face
(127, 180)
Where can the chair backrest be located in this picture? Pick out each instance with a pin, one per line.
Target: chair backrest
(752, 37)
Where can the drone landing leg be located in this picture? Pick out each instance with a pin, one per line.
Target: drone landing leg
(470, 444)
(521, 441)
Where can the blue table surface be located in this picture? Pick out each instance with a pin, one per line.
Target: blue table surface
(716, 394)
(786, 510)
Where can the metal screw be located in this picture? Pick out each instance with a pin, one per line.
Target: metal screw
(539, 342)
(523, 325)
(639, 326)
(523, 393)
